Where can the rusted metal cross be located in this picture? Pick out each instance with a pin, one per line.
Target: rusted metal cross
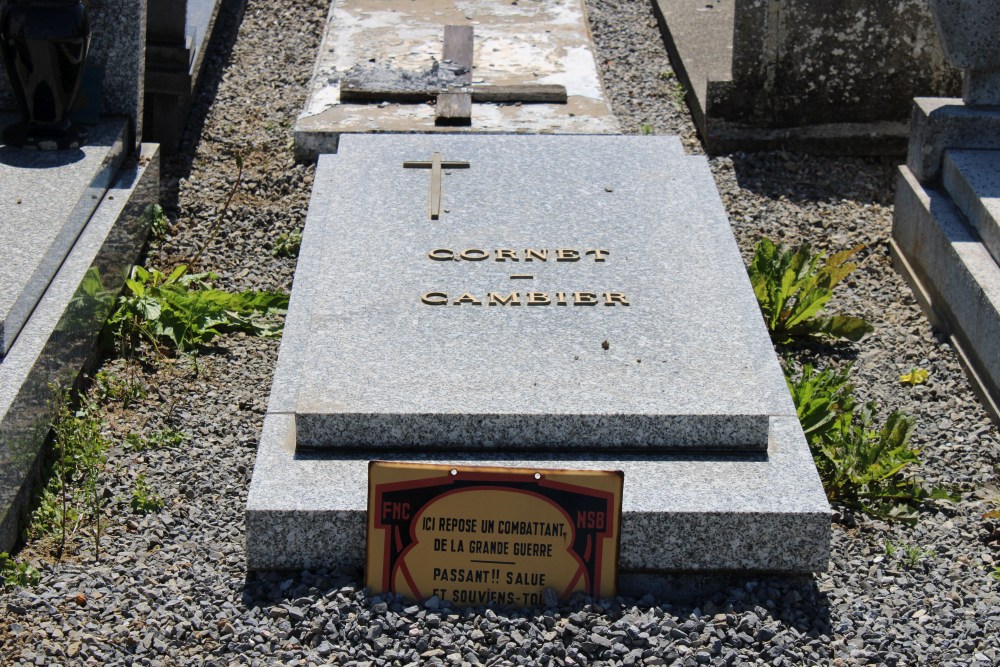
(436, 164)
(454, 99)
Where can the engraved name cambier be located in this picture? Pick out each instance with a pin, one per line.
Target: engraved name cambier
(529, 298)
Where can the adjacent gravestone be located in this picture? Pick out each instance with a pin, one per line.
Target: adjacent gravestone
(48, 198)
(383, 70)
(117, 51)
(176, 41)
(72, 226)
(578, 303)
(810, 75)
(946, 224)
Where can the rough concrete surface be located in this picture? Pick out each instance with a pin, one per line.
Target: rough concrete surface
(407, 35)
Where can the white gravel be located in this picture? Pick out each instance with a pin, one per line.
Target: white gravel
(171, 587)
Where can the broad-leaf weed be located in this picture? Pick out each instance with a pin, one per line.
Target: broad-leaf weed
(287, 245)
(859, 462)
(156, 220)
(184, 309)
(144, 499)
(168, 437)
(793, 285)
(14, 573)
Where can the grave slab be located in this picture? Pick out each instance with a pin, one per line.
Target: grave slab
(718, 478)
(490, 375)
(46, 198)
(515, 44)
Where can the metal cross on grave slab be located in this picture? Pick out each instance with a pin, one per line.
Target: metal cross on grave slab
(454, 97)
(436, 164)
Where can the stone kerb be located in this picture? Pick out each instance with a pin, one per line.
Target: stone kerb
(118, 47)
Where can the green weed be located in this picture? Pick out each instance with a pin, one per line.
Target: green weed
(820, 398)
(675, 89)
(184, 310)
(156, 221)
(995, 573)
(111, 387)
(144, 499)
(287, 245)
(909, 554)
(914, 555)
(860, 462)
(165, 438)
(72, 496)
(793, 285)
(13, 573)
(646, 128)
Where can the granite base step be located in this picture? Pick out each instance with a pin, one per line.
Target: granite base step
(954, 276)
(972, 179)
(753, 513)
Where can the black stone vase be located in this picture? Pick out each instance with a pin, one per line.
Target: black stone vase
(44, 45)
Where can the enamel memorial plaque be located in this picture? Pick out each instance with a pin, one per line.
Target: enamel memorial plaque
(476, 535)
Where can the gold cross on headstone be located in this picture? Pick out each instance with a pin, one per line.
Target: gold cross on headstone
(436, 164)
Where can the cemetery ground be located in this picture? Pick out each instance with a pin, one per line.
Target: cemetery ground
(169, 585)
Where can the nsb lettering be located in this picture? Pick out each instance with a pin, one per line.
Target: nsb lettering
(592, 520)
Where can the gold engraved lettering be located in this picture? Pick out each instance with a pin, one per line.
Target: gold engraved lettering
(467, 298)
(599, 255)
(567, 255)
(611, 298)
(435, 298)
(442, 255)
(584, 299)
(479, 255)
(538, 299)
(504, 254)
(512, 299)
(530, 255)
(560, 298)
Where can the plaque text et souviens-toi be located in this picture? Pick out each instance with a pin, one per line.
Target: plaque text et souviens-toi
(517, 298)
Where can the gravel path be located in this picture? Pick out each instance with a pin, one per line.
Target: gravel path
(170, 587)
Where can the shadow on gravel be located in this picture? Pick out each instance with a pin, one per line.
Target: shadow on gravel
(217, 55)
(820, 353)
(804, 178)
(793, 601)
